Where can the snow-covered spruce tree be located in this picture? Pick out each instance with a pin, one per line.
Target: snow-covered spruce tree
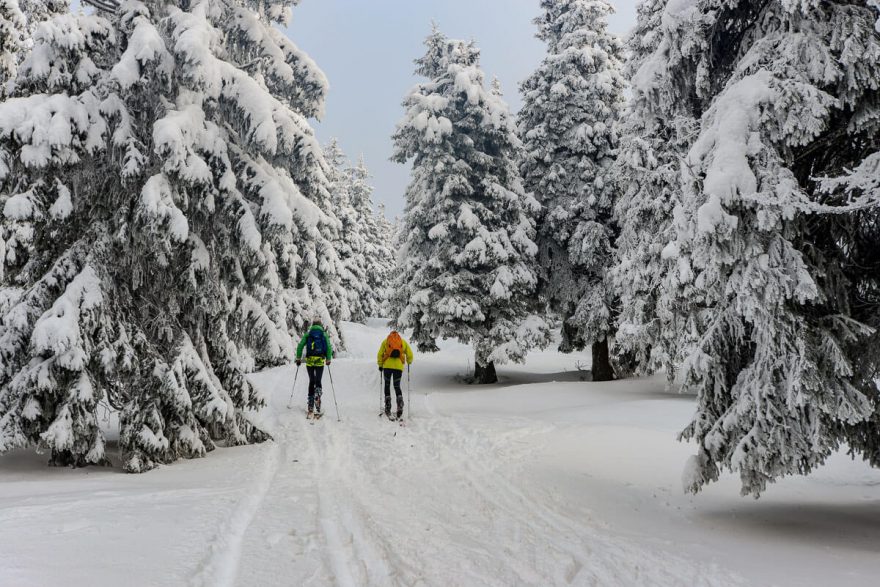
(852, 187)
(18, 20)
(176, 200)
(363, 244)
(780, 273)
(389, 236)
(467, 255)
(656, 130)
(349, 245)
(572, 103)
(378, 235)
(13, 35)
(46, 396)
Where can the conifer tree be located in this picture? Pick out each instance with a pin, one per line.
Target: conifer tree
(656, 130)
(18, 21)
(364, 240)
(777, 268)
(350, 245)
(572, 103)
(13, 35)
(378, 236)
(160, 160)
(467, 250)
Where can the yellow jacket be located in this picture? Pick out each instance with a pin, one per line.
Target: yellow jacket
(395, 364)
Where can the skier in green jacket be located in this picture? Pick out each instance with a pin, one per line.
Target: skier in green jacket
(319, 352)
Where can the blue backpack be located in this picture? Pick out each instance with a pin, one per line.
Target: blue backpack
(316, 343)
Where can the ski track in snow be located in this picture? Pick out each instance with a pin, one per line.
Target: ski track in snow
(382, 519)
(463, 495)
(220, 568)
(540, 543)
(356, 554)
(17, 512)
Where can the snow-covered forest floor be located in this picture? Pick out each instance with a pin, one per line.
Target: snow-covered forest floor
(541, 480)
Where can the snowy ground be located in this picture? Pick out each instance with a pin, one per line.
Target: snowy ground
(542, 480)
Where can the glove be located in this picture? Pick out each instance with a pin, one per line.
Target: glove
(328, 362)
(298, 362)
(381, 369)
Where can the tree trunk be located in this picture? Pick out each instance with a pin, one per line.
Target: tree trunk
(602, 370)
(485, 374)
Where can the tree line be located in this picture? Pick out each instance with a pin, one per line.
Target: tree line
(169, 222)
(720, 222)
(701, 199)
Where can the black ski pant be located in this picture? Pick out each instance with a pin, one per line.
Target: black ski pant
(396, 376)
(315, 375)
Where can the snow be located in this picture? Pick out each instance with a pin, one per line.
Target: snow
(679, 10)
(63, 206)
(727, 140)
(543, 479)
(47, 123)
(201, 257)
(467, 218)
(711, 215)
(157, 201)
(144, 46)
(438, 232)
(58, 330)
(20, 207)
(864, 180)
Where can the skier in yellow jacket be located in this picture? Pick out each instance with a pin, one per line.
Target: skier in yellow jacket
(394, 354)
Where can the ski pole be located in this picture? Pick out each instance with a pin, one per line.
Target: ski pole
(333, 389)
(408, 392)
(381, 389)
(293, 391)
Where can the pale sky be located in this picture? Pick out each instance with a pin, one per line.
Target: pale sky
(367, 48)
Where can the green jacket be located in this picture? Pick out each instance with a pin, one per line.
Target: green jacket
(314, 361)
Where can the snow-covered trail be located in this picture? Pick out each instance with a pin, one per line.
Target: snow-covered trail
(542, 480)
(437, 502)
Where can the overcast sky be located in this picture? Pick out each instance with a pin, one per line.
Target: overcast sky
(367, 48)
